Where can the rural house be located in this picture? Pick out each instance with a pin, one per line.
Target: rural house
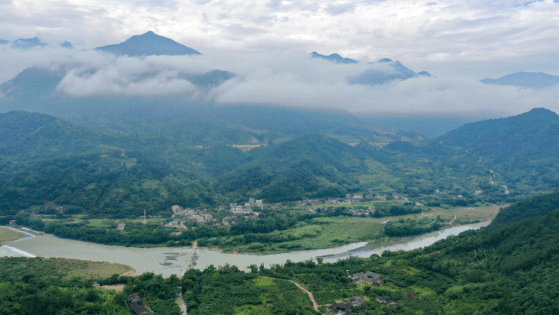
(367, 278)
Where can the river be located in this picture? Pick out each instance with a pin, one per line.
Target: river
(174, 260)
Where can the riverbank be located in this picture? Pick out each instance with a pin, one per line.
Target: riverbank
(153, 259)
(10, 234)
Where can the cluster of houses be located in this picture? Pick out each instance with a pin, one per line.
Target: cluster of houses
(370, 278)
(198, 215)
(187, 215)
(248, 206)
(346, 308)
(367, 278)
(206, 219)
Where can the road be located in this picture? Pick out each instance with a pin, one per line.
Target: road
(309, 293)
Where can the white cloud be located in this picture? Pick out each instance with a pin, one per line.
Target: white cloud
(442, 94)
(127, 76)
(267, 44)
(455, 30)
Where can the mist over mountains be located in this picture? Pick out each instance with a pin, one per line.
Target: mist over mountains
(30, 43)
(111, 83)
(527, 80)
(378, 76)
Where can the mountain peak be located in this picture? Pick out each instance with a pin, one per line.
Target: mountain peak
(334, 58)
(541, 113)
(148, 44)
(529, 134)
(28, 43)
(385, 60)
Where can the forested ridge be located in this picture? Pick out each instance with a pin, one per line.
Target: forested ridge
(45, 159)
(536, 206)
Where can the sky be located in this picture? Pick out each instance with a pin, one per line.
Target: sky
(267, 44)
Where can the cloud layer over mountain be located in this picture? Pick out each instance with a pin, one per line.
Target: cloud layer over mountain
(288, 78)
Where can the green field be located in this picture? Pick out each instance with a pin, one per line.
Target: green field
(336, 231)
(9, 235)
(60, 267)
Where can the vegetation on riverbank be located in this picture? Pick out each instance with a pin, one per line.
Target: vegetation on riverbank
(273, 231)
(64, 269)
(500, 270)
(9, 235)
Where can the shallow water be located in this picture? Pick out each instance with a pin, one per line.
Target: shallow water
(152, 259)
(9, 251)
(417, 242)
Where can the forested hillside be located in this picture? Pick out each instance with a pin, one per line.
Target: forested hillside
(527, 136)
(500, 270)
(45, 159)
(528, 208)
(55, 286)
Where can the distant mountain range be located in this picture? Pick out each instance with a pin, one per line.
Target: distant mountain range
(30, 43)
(148, 44)
(375, 76)
(334, 58)
(527, 80)
(34, 89)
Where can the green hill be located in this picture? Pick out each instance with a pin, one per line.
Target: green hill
(532, 207)
(307, 167)
(46, 159)
(527, 135)
(502, 270)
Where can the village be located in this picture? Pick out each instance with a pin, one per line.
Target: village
(182, 217)
(365, 278)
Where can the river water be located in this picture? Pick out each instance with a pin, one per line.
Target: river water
(175, 260)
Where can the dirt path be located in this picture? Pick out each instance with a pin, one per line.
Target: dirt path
(309, 293)
(453, 220)
(182, 305)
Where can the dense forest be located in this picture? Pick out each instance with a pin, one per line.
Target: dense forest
(30, 286)
(528, 208)
(45, 159)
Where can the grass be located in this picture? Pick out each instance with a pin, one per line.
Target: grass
(64, 268)
(7, 234)
(337, 231)
(93, 270)
(263, 282)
